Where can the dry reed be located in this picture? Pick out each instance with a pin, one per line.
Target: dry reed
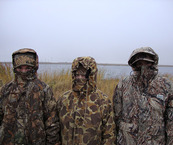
(60, 82)
(6, 74)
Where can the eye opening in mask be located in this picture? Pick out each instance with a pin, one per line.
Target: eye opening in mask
(24, 68)
(82, 73)
(143, 64)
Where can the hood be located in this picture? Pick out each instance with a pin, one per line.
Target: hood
(90, 65)
(25, 56)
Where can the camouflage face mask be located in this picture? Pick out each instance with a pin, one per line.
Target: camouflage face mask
(145, 74)
(147, 71)
(29, 75)
(80, 83)
(80, 79)
(24, 75)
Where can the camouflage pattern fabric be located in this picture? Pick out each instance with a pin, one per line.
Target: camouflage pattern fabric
(28, 113)
(25, 56)
(90, 65)
(28, 117)
(86, 116)
(144, 113)
(23, 59)
(1, 83)
(144, 50)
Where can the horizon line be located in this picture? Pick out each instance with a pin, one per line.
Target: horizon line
(113, 64)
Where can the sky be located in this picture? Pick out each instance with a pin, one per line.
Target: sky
(107, 30)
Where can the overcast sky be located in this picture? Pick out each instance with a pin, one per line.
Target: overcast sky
(108, 30)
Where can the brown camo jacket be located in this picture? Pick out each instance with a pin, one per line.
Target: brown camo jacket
(86, 120)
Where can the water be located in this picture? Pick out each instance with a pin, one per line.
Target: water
(111, 71)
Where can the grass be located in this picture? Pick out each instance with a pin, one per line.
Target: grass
(6, 74)
(170, 77)
(60, 82)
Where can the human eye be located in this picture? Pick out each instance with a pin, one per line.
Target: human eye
(29, 68)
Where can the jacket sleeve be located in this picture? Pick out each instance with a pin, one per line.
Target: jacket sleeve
(117, 105)
(4, 91)
(51, 118)
(1, 117)
(1, 110)
(108, 137)
(169, 118)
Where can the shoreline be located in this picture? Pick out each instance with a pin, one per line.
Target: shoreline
(104, 64)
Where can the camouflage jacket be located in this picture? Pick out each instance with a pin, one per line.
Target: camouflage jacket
(28, 117)
(144, 117)
(86, 119)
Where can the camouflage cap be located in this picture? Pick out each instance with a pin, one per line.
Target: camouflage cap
(143, 53)
(25, 56)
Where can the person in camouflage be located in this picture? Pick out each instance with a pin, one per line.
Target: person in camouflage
(28, 113)
(85, 113)
(143, 103)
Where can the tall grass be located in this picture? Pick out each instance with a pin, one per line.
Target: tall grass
(170, 77)
(61, 82)
(6, 73)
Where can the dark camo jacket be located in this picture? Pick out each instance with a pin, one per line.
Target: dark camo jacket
(28, 118)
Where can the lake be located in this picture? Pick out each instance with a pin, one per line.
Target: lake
(111, 71)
